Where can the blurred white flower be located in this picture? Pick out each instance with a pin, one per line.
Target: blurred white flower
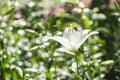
(81, 5)
(72, 39)
(31, 4)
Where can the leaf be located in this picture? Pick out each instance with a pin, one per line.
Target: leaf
(31, 31)
(77, 77)
(9, 11)
(35, 74)
(34, 48)
(19, 70)
(49, 76)
(40, 26)
(14, 75)
(70, 53)
(51, 21)
(49, 64)
(1, 45)
(117, 6)
(108, 62)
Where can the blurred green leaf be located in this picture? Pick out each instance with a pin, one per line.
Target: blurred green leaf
(40, 26)
(49, 76)
(1, 45)
(35, 74)
(34, 48)
(19, 70)
(9, 11)
(108, 62)
(117, 6)
(31, 31)
(77, 77)
(51, 21)
(50, 63)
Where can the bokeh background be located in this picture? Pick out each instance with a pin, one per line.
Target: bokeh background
(25, 54)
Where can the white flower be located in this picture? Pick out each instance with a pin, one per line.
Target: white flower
(72, 39)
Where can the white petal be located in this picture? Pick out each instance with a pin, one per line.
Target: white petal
(84, 35)
(93, 32)
(71, 35)
(68, 33)
(62, 41)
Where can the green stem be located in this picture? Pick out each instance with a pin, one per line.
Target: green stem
(54, 63)
(76, 58)
(90, 78)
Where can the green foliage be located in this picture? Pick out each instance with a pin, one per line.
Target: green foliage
(26, 54)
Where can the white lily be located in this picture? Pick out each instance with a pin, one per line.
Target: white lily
(72, 39)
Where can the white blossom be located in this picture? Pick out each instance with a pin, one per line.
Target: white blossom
(73, 39)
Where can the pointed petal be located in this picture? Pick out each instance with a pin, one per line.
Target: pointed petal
(93, 32)
(62, 41)
(84, 35)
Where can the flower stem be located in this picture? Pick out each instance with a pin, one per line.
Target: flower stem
(54, 64)
(76, 58)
